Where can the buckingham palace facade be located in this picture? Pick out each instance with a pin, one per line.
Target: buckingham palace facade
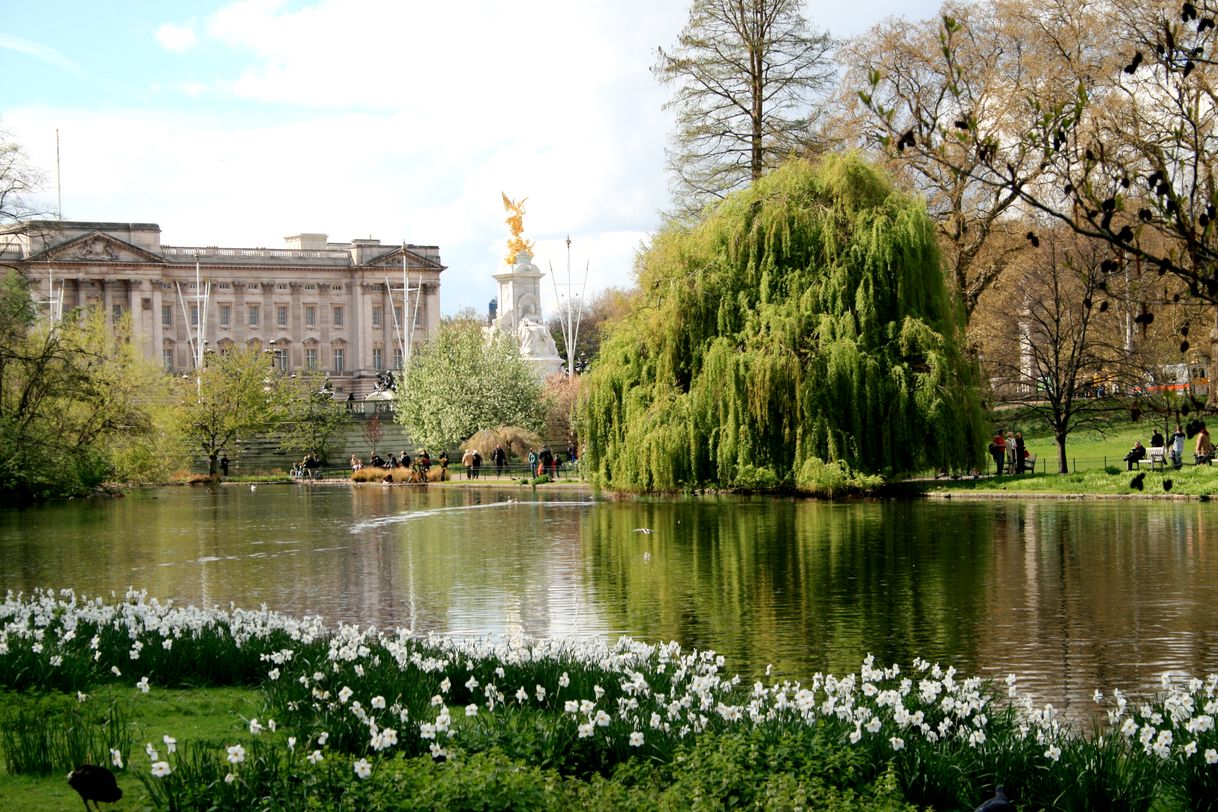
(314, 304)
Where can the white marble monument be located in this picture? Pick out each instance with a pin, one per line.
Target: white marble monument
(520, 298)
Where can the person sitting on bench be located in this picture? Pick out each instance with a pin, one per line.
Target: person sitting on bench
(1138, 452)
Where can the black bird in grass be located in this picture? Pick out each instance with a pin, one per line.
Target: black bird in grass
(999, 803)
(1136, 482)
(1167, 483)
(94, 784)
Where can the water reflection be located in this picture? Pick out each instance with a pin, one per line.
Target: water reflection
(1070, 596)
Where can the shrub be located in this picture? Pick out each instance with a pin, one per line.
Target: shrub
(832, 479)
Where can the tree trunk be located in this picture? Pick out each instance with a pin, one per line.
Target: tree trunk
(1063, 467)
(212, 464)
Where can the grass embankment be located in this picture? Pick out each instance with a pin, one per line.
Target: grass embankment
(300, 717)
(1095, 461)
(193, 714)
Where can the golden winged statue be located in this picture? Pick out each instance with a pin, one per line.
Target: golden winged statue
(515, 221)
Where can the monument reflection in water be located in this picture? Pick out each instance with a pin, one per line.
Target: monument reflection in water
(1069, 596)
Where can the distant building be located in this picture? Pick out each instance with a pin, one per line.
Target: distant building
(336, 307)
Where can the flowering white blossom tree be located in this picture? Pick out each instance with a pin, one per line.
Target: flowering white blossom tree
(462, 382)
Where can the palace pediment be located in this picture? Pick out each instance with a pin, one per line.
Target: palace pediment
(392, 259)
(97, 247)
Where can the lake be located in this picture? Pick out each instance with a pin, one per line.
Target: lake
(1069, 595)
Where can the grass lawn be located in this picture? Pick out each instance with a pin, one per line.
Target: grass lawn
(1095, 460)
(211, 714)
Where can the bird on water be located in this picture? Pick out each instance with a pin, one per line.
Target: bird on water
(96, 784)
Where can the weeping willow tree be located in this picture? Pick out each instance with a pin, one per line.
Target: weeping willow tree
(802, 334)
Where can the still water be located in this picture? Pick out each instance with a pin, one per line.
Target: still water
(1071, 596)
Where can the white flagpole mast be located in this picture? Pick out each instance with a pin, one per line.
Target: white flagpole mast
(570, 332)
(404, 329)
(195, 333)
(408, 344)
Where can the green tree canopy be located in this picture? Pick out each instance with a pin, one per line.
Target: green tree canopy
(233, 397)
(804, 322)
(462, 382)
(68, 392)
(310, 414)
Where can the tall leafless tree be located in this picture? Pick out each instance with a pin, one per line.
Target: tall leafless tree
(747, 74)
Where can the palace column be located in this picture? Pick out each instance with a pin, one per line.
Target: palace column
(359, 364)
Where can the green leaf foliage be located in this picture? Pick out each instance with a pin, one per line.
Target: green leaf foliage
(233, 396)
(72, 393)
(804, 319)
(311, 415)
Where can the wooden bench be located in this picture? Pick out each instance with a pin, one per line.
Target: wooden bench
(1156, 458)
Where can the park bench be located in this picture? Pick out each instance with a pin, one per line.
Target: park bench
(1156, 458)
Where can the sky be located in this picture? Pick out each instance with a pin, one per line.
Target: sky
(239, 123)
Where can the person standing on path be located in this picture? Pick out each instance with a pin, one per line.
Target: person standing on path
(467, 459)
(1204, 451)
(499, 457)
(998, 452)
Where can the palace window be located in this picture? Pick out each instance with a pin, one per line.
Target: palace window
(338, 316)
(194, 315)
(339, 359)
(167, 358)
(311, 357)
(166, 315)
(310, 316)
(226, 315)
(281, 359)
(253, 315)
(281, 315)
(378, 359)
(378, 315)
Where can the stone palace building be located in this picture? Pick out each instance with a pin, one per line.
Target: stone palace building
(314, 304)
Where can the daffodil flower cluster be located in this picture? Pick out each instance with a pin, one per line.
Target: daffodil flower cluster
(367, 694)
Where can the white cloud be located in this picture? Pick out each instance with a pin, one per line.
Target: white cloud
(177, 38)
